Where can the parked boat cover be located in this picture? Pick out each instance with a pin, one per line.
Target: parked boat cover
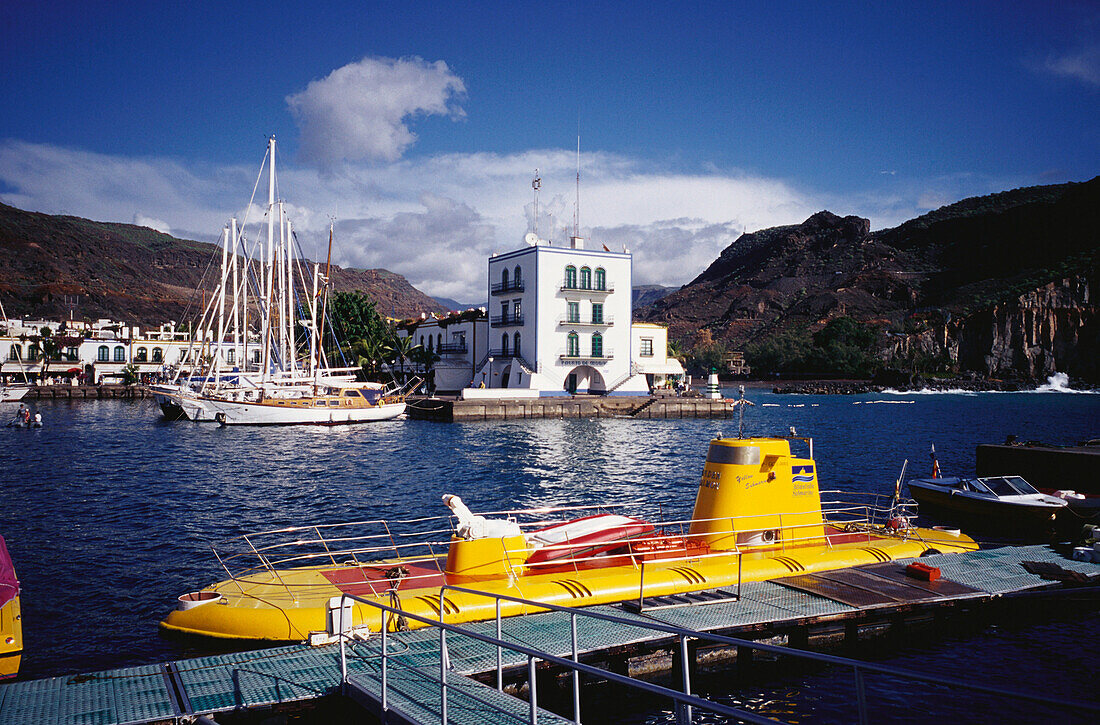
(9, 585)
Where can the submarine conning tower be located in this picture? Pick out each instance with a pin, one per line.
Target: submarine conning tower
(755, 493)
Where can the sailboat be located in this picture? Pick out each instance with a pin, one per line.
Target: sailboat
(12, 392)
(242, 379)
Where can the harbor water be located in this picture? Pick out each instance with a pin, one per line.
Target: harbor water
(109, 511)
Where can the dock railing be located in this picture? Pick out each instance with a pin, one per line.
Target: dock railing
(684, 700)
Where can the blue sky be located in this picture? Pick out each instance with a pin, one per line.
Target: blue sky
(419, 125)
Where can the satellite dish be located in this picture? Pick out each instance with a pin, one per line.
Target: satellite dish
(531, 238)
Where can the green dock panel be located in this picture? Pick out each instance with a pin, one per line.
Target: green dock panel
(131, 695)
(998, 571)
(414, 695)
(259, 678)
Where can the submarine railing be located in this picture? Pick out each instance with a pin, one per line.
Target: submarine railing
(366, 549)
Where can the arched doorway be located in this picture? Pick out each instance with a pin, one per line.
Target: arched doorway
(504, 376)
(585, 379)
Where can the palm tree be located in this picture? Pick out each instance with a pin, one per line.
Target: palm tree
(404, 349)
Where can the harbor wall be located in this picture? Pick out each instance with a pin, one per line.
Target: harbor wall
(451, 410)
(80, 392)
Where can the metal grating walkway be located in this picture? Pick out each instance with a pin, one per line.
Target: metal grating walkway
(414, 695)
(286, 674)
(131, 695)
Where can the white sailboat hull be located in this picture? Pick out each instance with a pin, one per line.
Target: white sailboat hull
(12, 393)
(229, 412)
(177, 403)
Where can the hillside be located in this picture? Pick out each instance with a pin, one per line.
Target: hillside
(53, 264)
(976, 260)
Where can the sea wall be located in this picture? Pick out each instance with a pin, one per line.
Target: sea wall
(449, 410)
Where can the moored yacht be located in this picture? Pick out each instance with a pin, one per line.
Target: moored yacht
(275, 376)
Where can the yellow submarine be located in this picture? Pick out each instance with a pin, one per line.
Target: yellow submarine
(11, 618)
(758, 515)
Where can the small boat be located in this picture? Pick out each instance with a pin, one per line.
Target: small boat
(995, 500)
(758, 515)
(11, 622)
(1081, 509)
(13, 393)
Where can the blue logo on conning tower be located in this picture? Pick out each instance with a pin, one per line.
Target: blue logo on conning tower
(802, 474)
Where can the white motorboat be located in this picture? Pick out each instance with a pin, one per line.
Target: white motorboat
(994, 500)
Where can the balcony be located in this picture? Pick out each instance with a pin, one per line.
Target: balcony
(452, 348)
(607, 321)
(580, 359)
(576, 289)
(503, 288)
(500, 354)
(506, 320)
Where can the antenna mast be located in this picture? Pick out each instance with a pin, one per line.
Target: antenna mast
(536, 184)
(577, 204)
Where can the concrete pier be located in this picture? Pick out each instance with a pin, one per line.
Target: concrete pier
(82, 392)
(448, 410)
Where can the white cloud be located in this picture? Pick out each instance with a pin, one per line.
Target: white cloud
(156, 224)
(436, 220)
(361, 111)
(1081, 65)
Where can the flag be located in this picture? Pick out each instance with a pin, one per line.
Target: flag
(935, 463)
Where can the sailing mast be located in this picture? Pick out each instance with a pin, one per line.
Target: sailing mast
(269, 261)
(290, 362)
(324, 302)
(217, 363)
(236, 299)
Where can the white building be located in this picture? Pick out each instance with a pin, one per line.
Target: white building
(102, 350)
(558, 323)
(649, 347)
(460, 340)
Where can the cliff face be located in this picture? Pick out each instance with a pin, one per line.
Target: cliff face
(51, 265)
(1051, 329)
(1055, 328)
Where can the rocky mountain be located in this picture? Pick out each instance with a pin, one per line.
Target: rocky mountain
(51, 265)
(455, 305)
(999, 284)
(644, 295)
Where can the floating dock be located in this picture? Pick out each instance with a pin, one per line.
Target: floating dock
(799, 608)
(448, 410)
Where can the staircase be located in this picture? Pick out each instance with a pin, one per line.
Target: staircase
(642, 407)
(621, 381)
